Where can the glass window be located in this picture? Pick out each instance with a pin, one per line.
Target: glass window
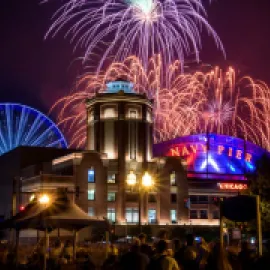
(173, 179)
(203, 214)
(132, 215)
(111, 214)
(91, 194)
(152, 216)
(91, 175)
(111, 178)
(111, 196)
(109, 113)
(91, 116)
(133, 114)
(173, 215)
(193, 214)
(149, 116)
(193, 199)
(173, 198)
(91, 211)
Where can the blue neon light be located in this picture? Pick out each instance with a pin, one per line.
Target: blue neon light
(212, 155)
(23, 125)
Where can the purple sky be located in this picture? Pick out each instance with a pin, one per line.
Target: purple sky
(36, 72)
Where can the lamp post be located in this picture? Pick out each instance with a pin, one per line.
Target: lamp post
(145, 182)
(44, 199)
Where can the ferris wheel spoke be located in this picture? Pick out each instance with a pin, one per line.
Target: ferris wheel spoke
(34, 127)
(22, 122)
(23, 125)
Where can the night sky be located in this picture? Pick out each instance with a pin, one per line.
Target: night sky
(37, 72)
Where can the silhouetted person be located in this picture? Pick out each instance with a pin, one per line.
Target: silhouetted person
(218, 259)
(190, 254)
(161, 261)
(144, 247)
(246, 256)
(134, 259)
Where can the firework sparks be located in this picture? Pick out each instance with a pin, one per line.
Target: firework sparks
(184, 104)
(116, 29)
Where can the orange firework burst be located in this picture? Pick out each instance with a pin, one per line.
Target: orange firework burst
(214, 101)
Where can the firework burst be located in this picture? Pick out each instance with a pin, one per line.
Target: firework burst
(116, 29)
(184, 104)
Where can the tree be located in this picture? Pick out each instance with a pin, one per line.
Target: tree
(259, 184)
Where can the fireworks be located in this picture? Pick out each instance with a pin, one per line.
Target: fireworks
(185, 104)
(115, 29)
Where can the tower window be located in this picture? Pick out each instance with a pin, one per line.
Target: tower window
(133, 114)
(91, 194)
(111, 178)
(111, 197)
(173, 179)
(173, 198)
(173, 215)
(91, 211)
(91, 175)
(111, 214)
(109, 113)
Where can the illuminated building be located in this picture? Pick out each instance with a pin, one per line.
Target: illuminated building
(189, 173)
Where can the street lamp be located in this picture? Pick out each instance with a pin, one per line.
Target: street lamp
(145, 182)
(44, 199)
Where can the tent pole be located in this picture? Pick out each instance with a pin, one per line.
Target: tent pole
(46, 245)
(17, 246)
(74, 244)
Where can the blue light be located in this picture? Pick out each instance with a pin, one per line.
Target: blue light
(211, 162)
(22, 125)
(231, 168)
(250, 166)
(91, 175)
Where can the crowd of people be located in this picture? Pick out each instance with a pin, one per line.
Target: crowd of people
(192, 253)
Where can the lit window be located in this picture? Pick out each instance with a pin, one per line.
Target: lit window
(91, 194)
(91, 116)
(91, 211)
(173, 215)
(91, 175)
(173, 198)
(111, 196)
(193, 214)
(149, 117)
(111, 178)
(152, 216)
(203, 214)
(133, 114)
(132, 215)
(173, 179)
(109, 113)
(111, 214)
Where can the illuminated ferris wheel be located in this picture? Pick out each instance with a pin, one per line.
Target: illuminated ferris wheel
(22, 125)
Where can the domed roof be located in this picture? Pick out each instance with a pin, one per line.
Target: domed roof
(120, 85)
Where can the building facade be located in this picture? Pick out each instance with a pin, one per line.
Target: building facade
(122, 176)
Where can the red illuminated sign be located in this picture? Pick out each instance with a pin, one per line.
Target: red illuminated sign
(184, 150)
(232, 186)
